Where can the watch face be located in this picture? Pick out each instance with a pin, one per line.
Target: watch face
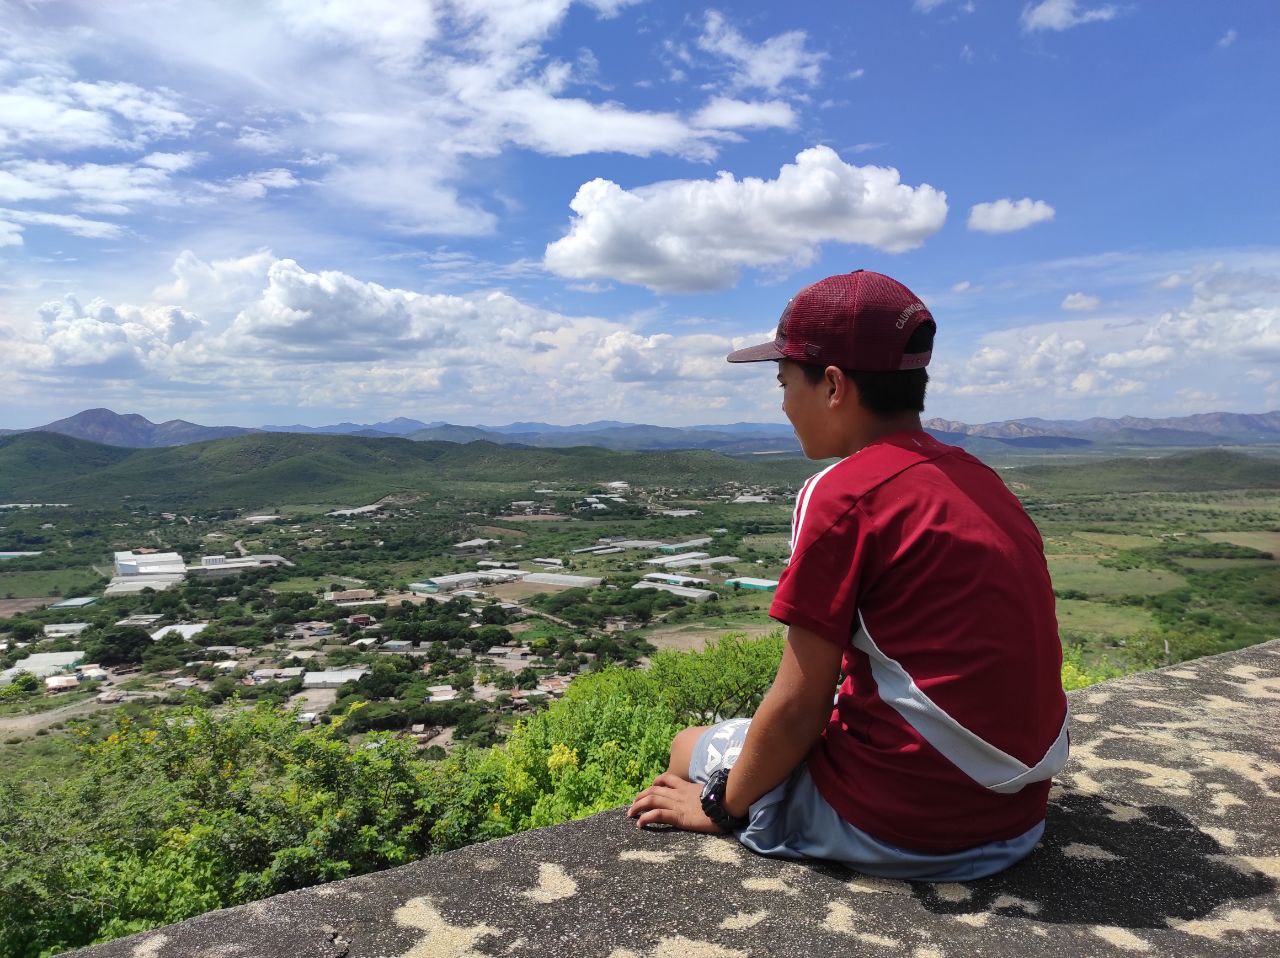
(713, 790)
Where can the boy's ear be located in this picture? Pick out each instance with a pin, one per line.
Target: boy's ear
(840, 388)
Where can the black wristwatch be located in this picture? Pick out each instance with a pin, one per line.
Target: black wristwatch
(713, 803)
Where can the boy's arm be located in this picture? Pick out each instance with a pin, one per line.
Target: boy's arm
(793, 714)
(794, 711)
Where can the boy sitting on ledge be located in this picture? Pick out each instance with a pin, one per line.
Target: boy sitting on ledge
(916, 575)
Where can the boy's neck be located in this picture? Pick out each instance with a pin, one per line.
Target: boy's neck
(868, 429)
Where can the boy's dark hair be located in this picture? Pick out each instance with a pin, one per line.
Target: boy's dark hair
(888, 393)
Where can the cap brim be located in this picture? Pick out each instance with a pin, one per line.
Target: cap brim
(756, 354)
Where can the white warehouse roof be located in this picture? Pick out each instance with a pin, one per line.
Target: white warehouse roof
(560, 578)
(42, 664)
(156, 563)
(125, 584)
(332, 678)
(751, 582)
(684, 563)
(670, 578)
(667, 560)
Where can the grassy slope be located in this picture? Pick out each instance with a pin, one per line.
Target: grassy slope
(1203, 470)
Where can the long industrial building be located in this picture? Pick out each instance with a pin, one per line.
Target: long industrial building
(561, 578)
(668, 560)
(697, 595)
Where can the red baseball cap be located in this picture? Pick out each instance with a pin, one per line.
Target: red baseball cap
(860, 320)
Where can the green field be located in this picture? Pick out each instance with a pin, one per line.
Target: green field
(1202, 565)
(1086, 574)
(42, 758)
(1262, 541)
(775, 542)
(37, 583)
(1114, 540)
(303, 584)
(1078, 615)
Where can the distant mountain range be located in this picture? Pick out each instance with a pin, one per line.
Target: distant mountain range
(1205, 429)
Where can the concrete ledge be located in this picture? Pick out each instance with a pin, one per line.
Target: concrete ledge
(1163, 838)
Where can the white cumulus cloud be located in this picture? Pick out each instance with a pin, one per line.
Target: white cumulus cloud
(1006, 216)
(252, 186)
(76, 225)
(725, 113)
(768, 65)
(689, 235)
(1080, 302)
(1138, 358)
(96, 187)
(113, 342)
(1063, 15)
(57, 112)
(10, 233)
(173, 162)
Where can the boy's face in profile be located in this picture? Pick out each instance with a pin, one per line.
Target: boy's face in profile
(806, 408)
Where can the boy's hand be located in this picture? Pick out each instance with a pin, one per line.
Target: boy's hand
(671, 800)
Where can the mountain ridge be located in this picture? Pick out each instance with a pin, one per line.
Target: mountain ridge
(133, 431)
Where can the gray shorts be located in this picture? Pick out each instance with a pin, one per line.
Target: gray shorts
(795, 821)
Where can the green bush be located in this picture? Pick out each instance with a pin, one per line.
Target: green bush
(1076, 674)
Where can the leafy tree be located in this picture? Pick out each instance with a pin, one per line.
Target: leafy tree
(24, 631)
(23, 685)
(124, 645)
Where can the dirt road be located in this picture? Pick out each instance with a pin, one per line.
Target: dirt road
(11, 725)
(30, 724)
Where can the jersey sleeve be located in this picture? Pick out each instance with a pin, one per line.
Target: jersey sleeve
(831, 558)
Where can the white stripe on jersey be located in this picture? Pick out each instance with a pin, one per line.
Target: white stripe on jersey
(795, 511)
(980, 760)
(802, 503)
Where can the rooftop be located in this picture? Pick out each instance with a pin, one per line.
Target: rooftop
(1162, 838)
(77, 603)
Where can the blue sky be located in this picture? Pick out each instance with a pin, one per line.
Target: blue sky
(488, 210)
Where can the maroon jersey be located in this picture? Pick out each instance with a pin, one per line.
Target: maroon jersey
(951, 720)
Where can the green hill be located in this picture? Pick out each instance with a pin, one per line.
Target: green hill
(1204, 470)
(261, 469)
(32, 461)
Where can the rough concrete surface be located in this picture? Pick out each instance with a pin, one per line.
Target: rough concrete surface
(1163, 838)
